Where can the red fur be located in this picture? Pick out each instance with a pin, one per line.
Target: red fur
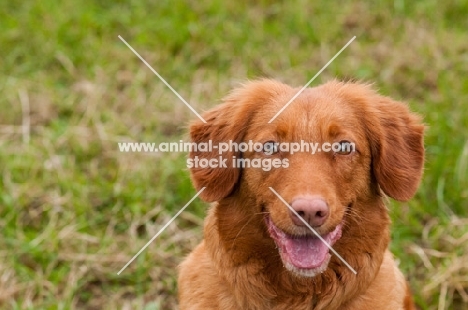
(238, 266)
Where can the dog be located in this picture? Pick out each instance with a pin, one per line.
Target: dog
(259, 250)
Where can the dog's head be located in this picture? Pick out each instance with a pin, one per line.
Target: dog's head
(360, 144)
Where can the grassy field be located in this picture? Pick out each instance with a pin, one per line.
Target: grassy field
(74, 210)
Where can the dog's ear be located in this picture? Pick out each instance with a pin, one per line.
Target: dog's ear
(224, 123)
(220, 127)
(397, 146)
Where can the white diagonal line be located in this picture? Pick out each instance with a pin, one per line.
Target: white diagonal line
(161, 230)
(311, 80)
(163, 80)
(313, 230)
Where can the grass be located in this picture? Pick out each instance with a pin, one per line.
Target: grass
(74, 210)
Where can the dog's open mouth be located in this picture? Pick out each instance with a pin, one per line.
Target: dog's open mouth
(305, 255)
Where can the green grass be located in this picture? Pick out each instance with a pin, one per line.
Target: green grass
(74, 210)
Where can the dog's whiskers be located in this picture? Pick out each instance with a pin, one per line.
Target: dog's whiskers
(242, 228)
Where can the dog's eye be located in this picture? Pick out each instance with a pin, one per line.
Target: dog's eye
(343, 147)
(270, 147)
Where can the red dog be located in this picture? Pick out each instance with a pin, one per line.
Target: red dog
(256, 253)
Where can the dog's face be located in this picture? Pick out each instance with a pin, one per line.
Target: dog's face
(321, 187)
(377, 145)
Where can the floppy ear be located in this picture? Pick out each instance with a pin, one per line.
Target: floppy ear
(224, 123)
(397, 146)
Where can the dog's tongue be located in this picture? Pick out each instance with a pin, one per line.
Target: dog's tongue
(305, 252)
